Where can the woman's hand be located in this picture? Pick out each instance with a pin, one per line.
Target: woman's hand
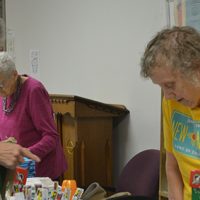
(13, 154)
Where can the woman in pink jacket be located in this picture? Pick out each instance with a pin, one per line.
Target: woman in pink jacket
(26, 115)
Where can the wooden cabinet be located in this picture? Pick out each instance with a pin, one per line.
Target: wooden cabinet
(86, 128)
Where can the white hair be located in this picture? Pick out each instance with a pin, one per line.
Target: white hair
(7, 64)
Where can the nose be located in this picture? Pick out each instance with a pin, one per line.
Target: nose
(169, 94)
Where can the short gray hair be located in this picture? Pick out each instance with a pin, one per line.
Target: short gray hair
(7, 64)
(177, 47)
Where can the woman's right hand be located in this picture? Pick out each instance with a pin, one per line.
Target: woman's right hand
(12, 155)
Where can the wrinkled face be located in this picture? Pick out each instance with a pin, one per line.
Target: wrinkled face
(176, 87)
(7, 84)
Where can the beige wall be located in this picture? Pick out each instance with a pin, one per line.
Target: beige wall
(92, 48)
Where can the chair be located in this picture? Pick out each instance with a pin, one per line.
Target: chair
(140, 176)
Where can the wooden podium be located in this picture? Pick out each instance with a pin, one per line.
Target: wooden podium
(85, 128)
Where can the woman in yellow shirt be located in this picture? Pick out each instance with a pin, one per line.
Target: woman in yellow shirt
(172, 61)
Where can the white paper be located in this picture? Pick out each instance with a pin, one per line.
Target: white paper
(35, 62)
(10, 43)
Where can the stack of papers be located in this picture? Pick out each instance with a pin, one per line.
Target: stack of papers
(44, 181)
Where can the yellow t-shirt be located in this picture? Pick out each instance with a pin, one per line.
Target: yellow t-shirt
(181, 126)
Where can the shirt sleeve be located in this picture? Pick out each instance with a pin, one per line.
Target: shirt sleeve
(167, 128)
(42, 117)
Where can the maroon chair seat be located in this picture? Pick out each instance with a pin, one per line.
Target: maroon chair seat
(140, 176)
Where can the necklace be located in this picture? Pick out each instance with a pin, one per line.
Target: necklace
(14, 98)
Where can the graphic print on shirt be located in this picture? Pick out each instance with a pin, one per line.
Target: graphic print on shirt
(186, 135)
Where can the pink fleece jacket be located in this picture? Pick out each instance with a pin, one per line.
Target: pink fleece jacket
(32, 124)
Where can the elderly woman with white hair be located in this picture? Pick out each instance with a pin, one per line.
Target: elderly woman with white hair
(172, 61)
(26, 115)
(11, 154)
